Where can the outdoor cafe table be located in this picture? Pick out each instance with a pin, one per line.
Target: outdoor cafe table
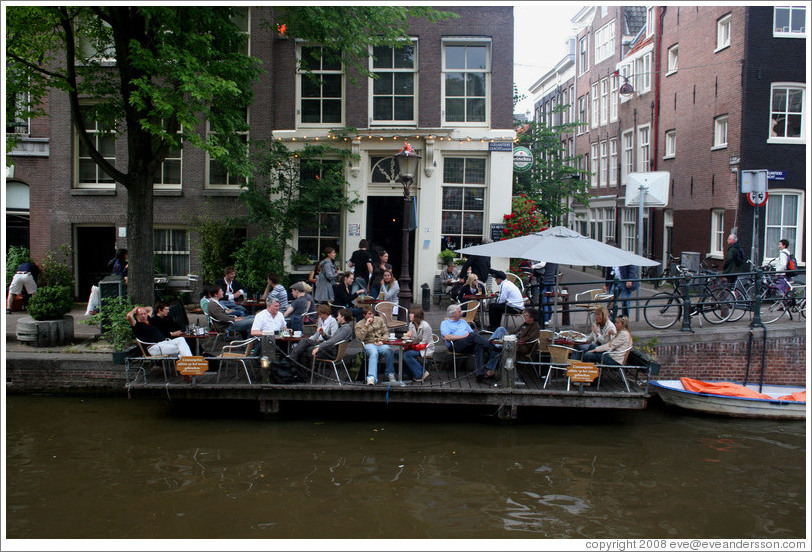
(400, 344)
(196, 338)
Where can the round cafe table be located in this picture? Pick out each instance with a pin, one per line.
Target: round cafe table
(400, 344)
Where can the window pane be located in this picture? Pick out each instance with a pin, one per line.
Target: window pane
(87, 170)
(107, 146)
(452, 223)
(332, 224)
(332, 111)
(382, 109)
(455, 109)
(779, 99)
(473, 223)
(309, 246)
(453, 172)
(475, 84)
(383, 84)
(311, 111)
(455, 84)
(404, 57)
(798, 19)
(790, 210)
(331, 65)
(475, 171)
(404, 108)
(474, 199)
(794, 126)
(332, 86)
(452, 197)
(171, 172)
(477, 57)
(404, 83)
(796, 99)
(382, 57)
(310, 87)
(476, 109)
(455, 57)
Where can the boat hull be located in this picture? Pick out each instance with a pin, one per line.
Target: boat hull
(673, 393)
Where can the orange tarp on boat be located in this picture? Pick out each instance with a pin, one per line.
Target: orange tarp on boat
(729, 389)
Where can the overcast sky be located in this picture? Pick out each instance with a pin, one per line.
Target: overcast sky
(540, 32)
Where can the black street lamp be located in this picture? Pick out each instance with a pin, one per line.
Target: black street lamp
(407, 163)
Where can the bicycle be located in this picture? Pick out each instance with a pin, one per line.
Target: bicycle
(774, 304)
(663, 309)
(670, 271)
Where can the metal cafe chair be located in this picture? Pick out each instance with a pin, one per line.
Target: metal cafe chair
(167, 361)
(559, 360)
(341, 351)
(620, 368)
(239, 351)
(386, 309)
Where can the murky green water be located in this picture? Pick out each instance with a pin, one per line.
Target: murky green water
(113, 468)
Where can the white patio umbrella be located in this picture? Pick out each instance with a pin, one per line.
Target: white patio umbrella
(562, 246)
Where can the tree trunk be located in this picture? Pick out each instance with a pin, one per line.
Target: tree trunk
(140, 281)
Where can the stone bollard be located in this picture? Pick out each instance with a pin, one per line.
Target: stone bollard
(508, 360)
(45, 333)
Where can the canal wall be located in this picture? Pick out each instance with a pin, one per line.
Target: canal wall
(716, 353)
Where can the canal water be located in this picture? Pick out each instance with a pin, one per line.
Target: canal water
(112, 468)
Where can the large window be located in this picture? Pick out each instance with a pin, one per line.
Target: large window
(642, 74)
(322, 89)
(643, 148)
(604, 162)
(172, 251)
(723, 32)
(466, 73)
(784, 221)
(593, 165)
(596, 104)
(15, 104)
(88, 173)
(720, 132)
(219, 175)
(787, 113)
(605, 42)
(583, 114)
(789, 21)
(613, 162)
(583, 54)
(613, 97)
(717, 245)
(323, 228)
(394, 85)
(169, 174)
(628, 154)
(463, 205)
(629, 229)
(604, 101)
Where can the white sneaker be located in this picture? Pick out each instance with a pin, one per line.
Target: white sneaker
(370, 380)
(392, 378)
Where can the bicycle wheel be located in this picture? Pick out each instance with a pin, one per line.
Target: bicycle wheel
(717, 305)
(740, 307)
(772, 306)
(662, 310)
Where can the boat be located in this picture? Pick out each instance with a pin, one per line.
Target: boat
(777, 402)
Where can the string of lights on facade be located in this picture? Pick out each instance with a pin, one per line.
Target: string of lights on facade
(396, 138)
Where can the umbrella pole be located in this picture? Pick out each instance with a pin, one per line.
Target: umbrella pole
(555, 301)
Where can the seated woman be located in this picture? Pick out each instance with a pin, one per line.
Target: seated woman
(390, 289)
(603, 330)
(526, 333)
(301, 304)
(472, 286)
(616, 347)
(345, 296)
(420, 332)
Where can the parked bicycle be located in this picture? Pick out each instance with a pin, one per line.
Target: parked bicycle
(774, 303)
(714, 302)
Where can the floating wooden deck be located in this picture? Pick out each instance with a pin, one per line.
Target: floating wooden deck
(442, 388)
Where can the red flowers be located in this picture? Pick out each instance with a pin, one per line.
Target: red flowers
(523, 219)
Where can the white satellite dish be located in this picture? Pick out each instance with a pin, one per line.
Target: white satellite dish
(656, 188)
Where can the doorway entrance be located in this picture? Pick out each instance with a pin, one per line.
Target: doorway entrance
(385, 224)
(95, 246)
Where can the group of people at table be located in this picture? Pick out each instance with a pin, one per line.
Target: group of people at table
(340, 318)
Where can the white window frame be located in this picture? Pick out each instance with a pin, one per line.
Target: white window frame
(628, 228)
(787, 31)
(650, 21)
(102, 180)
(593, 165)
(673, 59)
(571, 106)
(583, 54)
(604, 101)
(643, 148)
(627, 163)
(473, 42)
(775, 232)
(720, 131)
(300, 75)
(174, 155)
(466, 209)
(605, 42)
(322, 237)
(724, 29)
(168, 270)
(717, 234)
(583, 108)
(786, 113)
(614, 93)
(613, 161)
(642, 73)
(391, 71)
(670, 144)
(604, 169)
(596, 104)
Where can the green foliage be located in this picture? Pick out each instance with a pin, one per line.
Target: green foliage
(16, 256)
(218, 242)
(255, 259)
(447, 255)
(524, 218)
(304, 186)
(299, 258)
(554, 176)
(53, 271)
(116, 328)
(50, 302)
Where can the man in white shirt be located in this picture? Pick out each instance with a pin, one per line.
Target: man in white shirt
(510, 300)
(268, 320)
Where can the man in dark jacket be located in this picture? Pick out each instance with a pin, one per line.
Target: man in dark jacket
(732, 256)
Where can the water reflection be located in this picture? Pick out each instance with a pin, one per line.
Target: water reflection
(111, 468)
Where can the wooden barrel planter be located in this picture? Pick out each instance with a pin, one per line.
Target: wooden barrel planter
(45, 333)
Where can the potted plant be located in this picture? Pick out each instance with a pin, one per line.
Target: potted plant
(302, 262)
(446, 256)
(115, 328)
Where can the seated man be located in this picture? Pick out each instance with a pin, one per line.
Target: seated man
(510, 300)
(455, 329)
(329, 347)
(277, 291)
(372, 331)
(144, 331)
(527, 332)
(232, 291)
(326, 326)
(161, 320)
(269, 320)
(302, 303)
(222, 319)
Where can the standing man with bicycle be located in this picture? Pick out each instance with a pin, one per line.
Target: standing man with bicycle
(735, 260)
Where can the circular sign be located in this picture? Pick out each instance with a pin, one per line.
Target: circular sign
(757, 198)
(522, 159)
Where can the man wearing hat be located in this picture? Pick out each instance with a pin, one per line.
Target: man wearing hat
(510, 300)
(302, 303)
